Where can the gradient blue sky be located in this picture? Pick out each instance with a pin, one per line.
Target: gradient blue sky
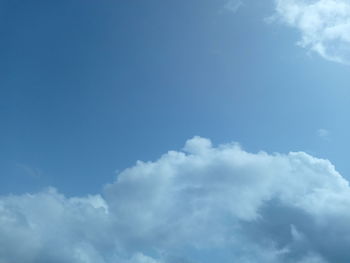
(87, 88)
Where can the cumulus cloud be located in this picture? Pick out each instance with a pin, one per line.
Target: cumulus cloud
(324, 25)
(203, 204)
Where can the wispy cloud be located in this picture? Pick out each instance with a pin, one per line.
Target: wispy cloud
(324, 25)
(28, 170)
(251, 207)
(323, 133)
(233, 5)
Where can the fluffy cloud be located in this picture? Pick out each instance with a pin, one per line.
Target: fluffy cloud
(202, 204)
(324, 25)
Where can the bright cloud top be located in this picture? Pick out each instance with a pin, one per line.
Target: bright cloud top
(203, 204)
(323, 24)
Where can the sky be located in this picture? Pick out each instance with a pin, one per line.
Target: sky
(192, 131)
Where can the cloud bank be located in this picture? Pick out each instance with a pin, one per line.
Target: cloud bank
(202, 204)
(324, 25)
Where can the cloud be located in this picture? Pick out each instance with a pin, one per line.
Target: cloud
(324, 25)
(203, 204)
(28, 170)
(323, 133)
(233, 5)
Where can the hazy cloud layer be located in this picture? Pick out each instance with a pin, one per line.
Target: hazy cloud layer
(324, 25)
(202, 204)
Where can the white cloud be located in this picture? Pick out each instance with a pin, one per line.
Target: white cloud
(324, 25)
(190, 206)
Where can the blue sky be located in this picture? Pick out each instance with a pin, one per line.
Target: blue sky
(88, 88)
